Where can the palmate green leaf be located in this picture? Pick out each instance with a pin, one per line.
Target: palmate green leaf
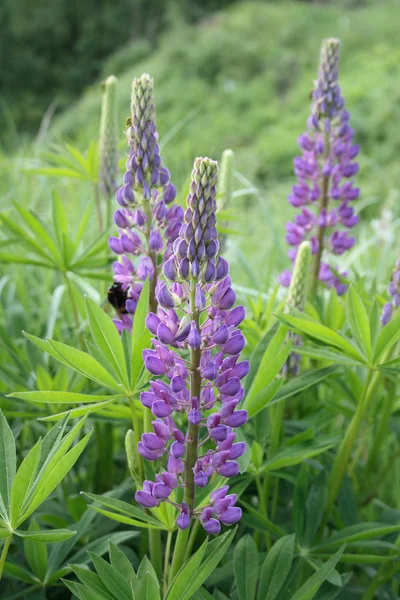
(80, 411)
(8, 258)
(309, 589)
(293, 455)
(245, 566)
(52, 476)
(140, 335)
(61, 172)
(361, 559)
(147, 588)
(99, 546)
(325, 354)
(270, 364)
(60, 222)
(126, 520)
(92, 582)
(35, 552)
(178, 587)
(388, 336)
(258, 521)
(357, 317)
(39, 231)
(258, 353)
(322, 334)
(8, 466)
(26, 240)
(24, 480)
(146, 567)
(276, 568)
(50, 397)
(112, 579)
(357, 533)
(13, 571)
(215, 552)
(302, 382)
(46, 535)
(81, 592)
(108, 340)
(123, 507)
(77, 360)
(265, 396)
(120, 561)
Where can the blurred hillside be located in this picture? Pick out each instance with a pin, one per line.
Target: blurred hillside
(242, 78)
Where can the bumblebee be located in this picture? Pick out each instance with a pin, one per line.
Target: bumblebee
(117, 298)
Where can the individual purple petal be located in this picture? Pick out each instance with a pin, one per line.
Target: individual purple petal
(146, 499)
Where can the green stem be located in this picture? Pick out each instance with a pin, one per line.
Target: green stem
(382, 430)
(4, 553)
(321, 230)
(178, 556)
(75, 311)
(342, 458)
(97, 199)
(263, 494)
(166, 561)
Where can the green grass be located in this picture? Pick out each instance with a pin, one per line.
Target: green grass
(241, 79)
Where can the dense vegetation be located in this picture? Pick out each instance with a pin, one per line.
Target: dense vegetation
(318, 484)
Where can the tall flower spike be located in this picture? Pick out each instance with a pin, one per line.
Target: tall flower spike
(108, 143)
(296, 299)
(195, 357)
(324, 173)
(394, 292)
(147, 222)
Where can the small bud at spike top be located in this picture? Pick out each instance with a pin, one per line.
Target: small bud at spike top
(394, 291)
(148, 223)
(325, 192)
(296, 299)
(108, 143)
(196, 318)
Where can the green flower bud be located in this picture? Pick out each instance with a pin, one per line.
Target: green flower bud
(131, 455)
(108, 144)
(297, 295)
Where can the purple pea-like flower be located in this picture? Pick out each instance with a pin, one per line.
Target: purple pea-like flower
(324, 173)
(147, 223)
(196, 317)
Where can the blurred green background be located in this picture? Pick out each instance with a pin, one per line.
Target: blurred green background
(227, 74)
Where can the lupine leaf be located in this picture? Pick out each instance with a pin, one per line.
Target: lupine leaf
(7, 462)
(46, 535)
(83, 593)
(358, 532)
(123, 508)
(107, 339)
(79, 361)
(245, 562)
(276, 568)
(38, 230)
(114, 581)
(294, 455)
(215, 552)
(302, 382)
(91, 581)
(120, 561)
(147, 588)
(50, 482)
(35, 552)
(81, 411)
(312, 585)
(50, 397)
(140, 334)
(323, 334)
(388, 336)
(24, 480)
(126, 520)
(359, 322)
(179, 586)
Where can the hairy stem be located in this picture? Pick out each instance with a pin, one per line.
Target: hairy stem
(192, 442)
(321, 230)
(342, 458)
(166, 561)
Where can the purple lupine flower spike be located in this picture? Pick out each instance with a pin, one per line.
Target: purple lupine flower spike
(147, 222)
(325, 171)
(196, 318)
(394, 292)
